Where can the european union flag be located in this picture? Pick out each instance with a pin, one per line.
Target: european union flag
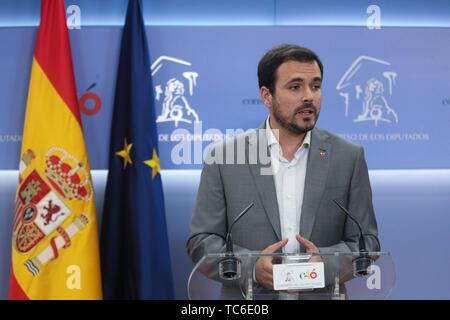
(134, 243)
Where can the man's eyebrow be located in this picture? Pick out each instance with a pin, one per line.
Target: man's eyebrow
(296, 79)
(299, 79)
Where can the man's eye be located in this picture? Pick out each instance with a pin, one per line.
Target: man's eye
(294, 87)
(317, 87)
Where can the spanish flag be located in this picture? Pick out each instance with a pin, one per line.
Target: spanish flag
(54, 242)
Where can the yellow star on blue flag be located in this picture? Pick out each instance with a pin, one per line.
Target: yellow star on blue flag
(125, 153)
(154, 163)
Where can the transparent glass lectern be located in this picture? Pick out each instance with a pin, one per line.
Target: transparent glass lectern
(353, 276)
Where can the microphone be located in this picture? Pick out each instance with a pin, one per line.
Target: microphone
(230, 266)
(363, 261)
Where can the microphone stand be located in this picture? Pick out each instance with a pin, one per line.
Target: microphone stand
(363, 261)
(230, 267)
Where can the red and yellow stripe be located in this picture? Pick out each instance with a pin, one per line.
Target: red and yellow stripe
(53, 120)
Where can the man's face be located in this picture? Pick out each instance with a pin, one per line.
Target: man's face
(295, 103)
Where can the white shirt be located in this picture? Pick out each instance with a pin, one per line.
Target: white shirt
(289, 178)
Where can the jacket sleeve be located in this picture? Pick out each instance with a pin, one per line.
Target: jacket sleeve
(359, 204)
(209, 224)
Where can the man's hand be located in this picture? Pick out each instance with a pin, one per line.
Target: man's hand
(263, 267)
(310, 247)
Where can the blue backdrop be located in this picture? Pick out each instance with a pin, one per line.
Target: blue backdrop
(384, 90)
(387, 89)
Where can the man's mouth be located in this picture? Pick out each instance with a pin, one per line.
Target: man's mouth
(306, 113)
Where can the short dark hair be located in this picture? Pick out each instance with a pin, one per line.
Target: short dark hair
(269, 63)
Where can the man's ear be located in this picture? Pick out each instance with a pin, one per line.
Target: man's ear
(266, 96)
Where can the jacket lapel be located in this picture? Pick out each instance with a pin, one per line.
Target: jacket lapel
(264, 183)
(315, 180)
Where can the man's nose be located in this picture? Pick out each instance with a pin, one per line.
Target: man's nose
(307, 94)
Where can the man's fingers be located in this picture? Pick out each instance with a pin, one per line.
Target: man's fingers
(309, 246)
(264, 267)
(276, 246)
(264, 272)
(267, 266)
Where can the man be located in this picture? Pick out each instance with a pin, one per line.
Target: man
(309, 168)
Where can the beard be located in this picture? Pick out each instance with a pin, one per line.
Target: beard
(290, 122)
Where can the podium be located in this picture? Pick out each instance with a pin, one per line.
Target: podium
(347, 276)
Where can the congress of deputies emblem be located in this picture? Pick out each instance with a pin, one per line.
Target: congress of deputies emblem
(367, 87)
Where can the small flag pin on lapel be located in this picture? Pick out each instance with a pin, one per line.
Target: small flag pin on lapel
(323, 154)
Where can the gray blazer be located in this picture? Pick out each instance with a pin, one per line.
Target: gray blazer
(336, 169)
